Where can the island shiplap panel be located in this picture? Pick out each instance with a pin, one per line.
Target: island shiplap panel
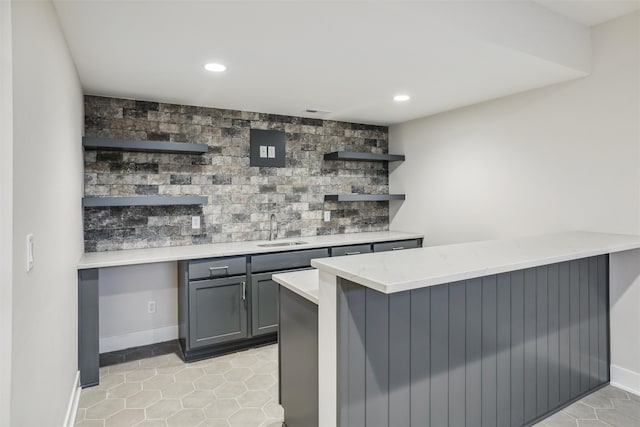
(500, 350)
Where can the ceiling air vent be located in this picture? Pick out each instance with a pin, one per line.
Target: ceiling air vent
(317, 111)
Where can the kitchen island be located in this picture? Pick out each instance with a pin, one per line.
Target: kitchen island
(491, 333)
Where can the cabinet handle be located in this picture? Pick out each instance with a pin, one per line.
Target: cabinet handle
(398, 248)
(212, 269)
(244, 291)
(352, 253)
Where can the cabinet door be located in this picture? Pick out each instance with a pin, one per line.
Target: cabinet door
(217, 311)
(264, 304)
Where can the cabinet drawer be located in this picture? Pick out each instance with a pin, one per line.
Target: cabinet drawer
(351, 250)
(286, 260)
(395, 246)
(217, 267)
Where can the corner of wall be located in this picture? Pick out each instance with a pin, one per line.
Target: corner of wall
(6, 210)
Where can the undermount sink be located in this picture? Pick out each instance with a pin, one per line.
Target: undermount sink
(280, 244)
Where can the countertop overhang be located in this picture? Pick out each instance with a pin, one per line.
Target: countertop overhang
(390, 272)
(176, 253)
(303, 283)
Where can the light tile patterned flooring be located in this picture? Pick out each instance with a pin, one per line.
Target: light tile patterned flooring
(241, 390)
(607, 407)
(235, 390)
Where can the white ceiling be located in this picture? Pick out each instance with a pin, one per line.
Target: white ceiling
(591, 12)
(349, 58)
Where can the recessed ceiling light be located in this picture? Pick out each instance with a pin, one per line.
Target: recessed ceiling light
(214, 67)
(401, 98)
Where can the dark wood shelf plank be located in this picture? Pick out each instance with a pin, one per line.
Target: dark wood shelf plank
(91, 143)
(363, 157)
(363, 197)
(154, 200)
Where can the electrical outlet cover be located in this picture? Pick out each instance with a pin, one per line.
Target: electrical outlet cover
(327, 216)
(195, 222)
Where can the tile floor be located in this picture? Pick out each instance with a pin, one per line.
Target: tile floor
(235, 390)
(241, 390)
(607, 407)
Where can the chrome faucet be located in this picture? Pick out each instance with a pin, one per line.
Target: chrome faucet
(273, 227)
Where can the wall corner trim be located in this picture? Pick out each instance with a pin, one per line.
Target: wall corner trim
(72, 409)
(625, 379)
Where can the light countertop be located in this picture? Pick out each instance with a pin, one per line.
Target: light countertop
(391, 272)
(176, 253)
(304, 283)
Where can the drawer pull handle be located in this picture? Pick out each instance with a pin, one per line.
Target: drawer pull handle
(244, 291)
(398, 248)
(352, 253)
(212, 269)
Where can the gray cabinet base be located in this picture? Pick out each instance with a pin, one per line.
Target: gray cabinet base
(219, 349)
(88, 338)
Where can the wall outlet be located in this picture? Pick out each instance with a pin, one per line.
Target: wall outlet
(195, 222)
(263, 151)
(272, 152)
(327, 216)
(151, 307)
(29, 252)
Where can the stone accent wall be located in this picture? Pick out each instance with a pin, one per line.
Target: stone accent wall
(241, 198)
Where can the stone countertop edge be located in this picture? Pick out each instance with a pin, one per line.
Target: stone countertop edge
(304, 283)
(177, 253)
(391, 272)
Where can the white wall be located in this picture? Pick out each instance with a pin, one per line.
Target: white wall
(48, 175)
(6, 210)
(558, 158)
(124, 295)
(624, 295)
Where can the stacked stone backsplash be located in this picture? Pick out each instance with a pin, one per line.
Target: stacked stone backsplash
(241, 198)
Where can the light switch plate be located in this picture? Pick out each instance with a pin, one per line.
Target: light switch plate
(272, 152)
(327, 216)
(195, 222)
(29, 252)
(263, 151)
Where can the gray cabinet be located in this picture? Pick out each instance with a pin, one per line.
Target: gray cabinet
(397, 245)
(217, 311)
(264, 291)
(230, 303)
(264, 304)
(213, 303)
(351, 250)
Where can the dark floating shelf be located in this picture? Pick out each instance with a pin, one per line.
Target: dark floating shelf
(155, 200)
(363, 157)
(363, 197)
(91, 143)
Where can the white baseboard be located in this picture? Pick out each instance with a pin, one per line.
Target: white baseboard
(135, 339)
(625, 379)
(70, 418)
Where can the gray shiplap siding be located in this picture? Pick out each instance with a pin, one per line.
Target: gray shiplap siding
(500, 350)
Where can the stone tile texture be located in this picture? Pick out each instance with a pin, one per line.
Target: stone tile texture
(241, 198)
(246, 400)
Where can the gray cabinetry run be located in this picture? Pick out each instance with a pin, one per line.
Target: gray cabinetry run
(230, 303)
